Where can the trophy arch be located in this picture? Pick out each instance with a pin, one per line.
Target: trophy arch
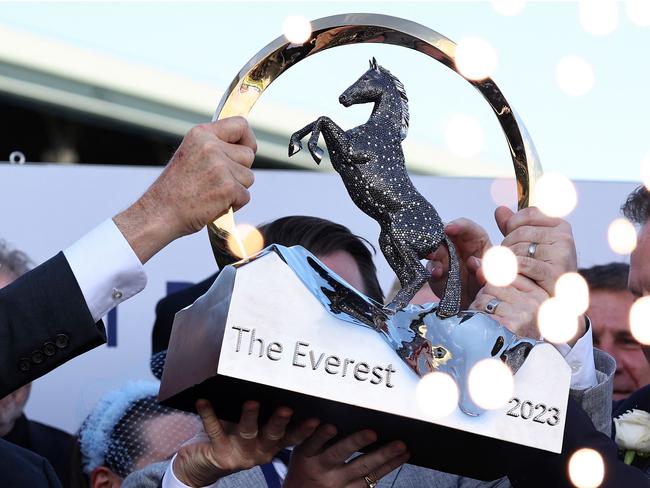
(358, 28)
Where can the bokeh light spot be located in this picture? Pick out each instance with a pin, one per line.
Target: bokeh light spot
(504, 192)
(586, 468)
(555, 195)
(500, 266)
(640, 320)
(572, 289)
(557, 321)
(598, 17)
(296, 29)
(574, 76)
(638, 11)
(476, 59)
(437, 394)
(621, 236)
(491, 384)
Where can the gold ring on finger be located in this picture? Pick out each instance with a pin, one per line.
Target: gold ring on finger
(370, 480)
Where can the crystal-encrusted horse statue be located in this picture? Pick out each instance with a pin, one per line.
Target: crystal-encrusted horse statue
(370, 160)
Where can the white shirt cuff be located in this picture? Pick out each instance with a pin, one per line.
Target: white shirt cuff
(106, 268)
(171, 481)
(580, 358)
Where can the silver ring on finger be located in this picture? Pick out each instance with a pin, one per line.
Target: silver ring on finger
(371, 480)
(492, 305)
(532, 249)
(248, 435)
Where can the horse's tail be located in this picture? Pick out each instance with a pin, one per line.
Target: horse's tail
(450, 302)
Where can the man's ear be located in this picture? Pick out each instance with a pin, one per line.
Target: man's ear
(102, 477)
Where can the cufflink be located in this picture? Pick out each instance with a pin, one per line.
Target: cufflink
(117, 294)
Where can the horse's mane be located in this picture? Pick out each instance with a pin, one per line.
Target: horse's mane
(404, 126)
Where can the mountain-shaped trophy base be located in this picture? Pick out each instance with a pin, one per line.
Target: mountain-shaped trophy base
(262, 332)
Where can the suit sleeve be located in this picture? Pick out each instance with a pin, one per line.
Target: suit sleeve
(44, 322)
(596, 401)
(52, 314)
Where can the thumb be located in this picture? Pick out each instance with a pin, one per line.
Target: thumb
(502, 216)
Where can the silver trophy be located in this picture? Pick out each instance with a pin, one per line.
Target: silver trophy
(282, 328)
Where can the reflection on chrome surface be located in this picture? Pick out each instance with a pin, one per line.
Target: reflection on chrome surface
(423, 340)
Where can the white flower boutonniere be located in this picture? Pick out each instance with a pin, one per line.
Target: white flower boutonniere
(633, 433)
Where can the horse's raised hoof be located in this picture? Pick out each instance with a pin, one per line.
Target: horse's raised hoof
(317, 153)
(294, 147)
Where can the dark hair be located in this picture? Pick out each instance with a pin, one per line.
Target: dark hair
(637, 206)
(323, 237)
(612, 276)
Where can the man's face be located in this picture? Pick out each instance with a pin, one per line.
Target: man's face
(639, 280)
(609, 311)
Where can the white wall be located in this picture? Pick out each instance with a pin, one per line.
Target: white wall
(45, 208)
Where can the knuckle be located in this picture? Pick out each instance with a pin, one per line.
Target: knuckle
(248, 156)
(250, 178)
(524, 263)
(538, 267)
(239, 121)
(229, 186)
(527, 213)
(209, 149)
(198, 131)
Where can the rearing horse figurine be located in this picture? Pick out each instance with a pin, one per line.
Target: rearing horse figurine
(371, 163)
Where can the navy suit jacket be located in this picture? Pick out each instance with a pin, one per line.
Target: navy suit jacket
(51, 443)
(44, 322)
(639, 400)
(20, 468)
